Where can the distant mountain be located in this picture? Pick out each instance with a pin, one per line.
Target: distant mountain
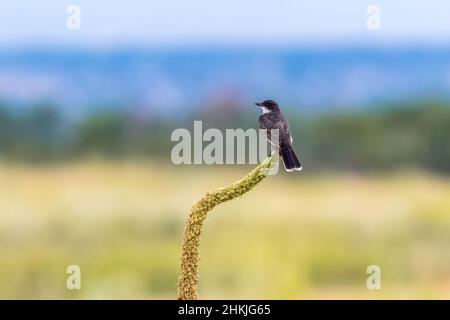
(170, 81)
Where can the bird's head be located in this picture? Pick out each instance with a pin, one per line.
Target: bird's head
(268, 106)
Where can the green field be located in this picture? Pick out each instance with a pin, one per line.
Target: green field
(295, 236)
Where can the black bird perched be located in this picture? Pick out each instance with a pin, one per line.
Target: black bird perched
(272, 118)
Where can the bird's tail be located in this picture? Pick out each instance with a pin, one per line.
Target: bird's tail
(290, 159)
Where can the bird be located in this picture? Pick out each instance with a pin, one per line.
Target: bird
(272, 118)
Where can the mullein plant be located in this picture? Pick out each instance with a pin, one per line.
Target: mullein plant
(188, 278)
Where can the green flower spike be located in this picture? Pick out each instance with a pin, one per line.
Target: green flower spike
(188, 279)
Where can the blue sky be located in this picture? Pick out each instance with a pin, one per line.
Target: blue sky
(154, 23)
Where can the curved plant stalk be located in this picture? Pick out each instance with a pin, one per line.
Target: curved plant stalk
(188, 278)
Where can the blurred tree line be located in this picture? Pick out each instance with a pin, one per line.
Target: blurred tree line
(388, 137)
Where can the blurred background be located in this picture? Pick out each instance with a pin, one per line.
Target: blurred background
(86, 176)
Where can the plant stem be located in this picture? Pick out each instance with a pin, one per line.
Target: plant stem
(188, 278)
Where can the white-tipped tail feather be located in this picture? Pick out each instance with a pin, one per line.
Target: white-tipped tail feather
(290, 159)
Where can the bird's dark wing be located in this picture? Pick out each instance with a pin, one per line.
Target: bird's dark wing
(269, 121)
(284, 132)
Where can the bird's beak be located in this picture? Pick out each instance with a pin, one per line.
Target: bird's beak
(258, 104)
